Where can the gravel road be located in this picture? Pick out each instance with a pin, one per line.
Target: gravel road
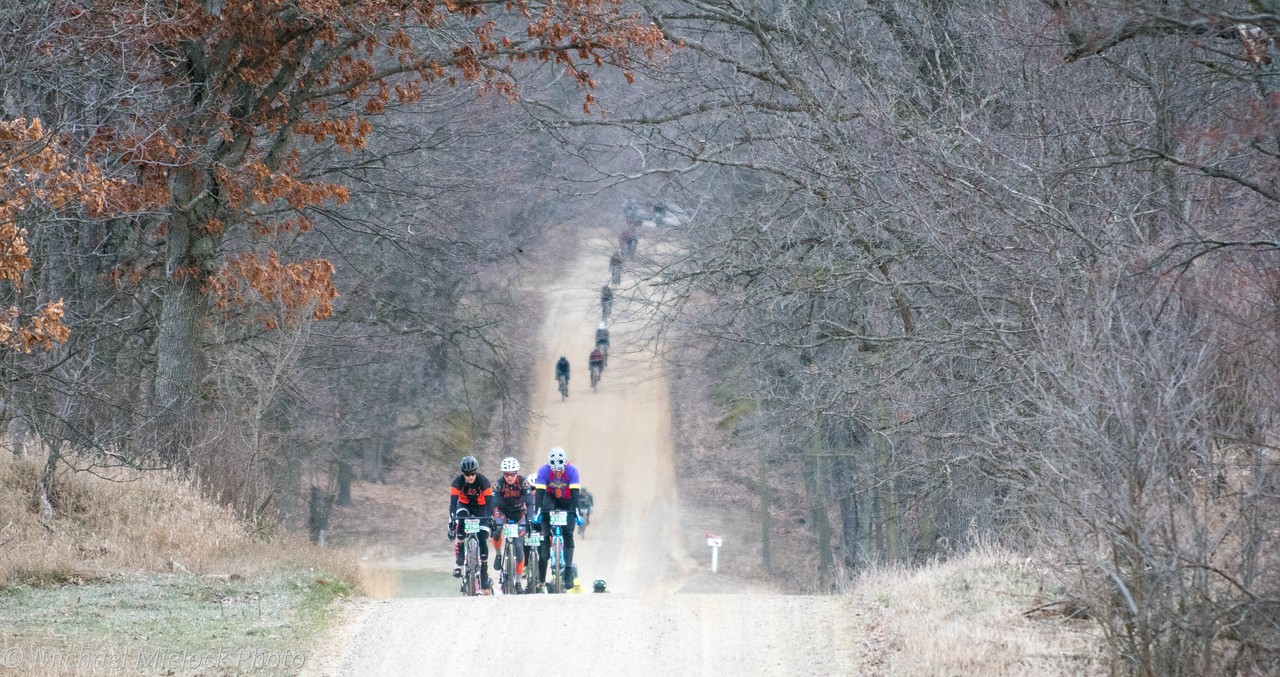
(650, 624)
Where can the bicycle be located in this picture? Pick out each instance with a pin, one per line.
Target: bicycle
(606, 308)
(596, 368)
(564, 386)
(533, 539)
(559, 518)
(471, 526)
(507, 577)
(585, 504)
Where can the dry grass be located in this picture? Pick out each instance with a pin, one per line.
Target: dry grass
(968, 617)
(117, 521)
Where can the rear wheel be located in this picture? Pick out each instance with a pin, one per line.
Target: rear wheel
(564, 387)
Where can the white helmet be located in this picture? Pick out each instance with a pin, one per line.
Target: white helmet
(602, 326)
(510, 464)
(556, 458)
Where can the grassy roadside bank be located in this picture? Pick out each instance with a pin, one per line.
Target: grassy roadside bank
(982, 613)
(176, 624)
(140, 574)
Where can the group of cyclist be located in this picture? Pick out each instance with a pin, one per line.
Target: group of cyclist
(596, 361)
(518, 501)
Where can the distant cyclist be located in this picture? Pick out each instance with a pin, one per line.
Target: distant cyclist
(586, 502)
(629, 238)
(606, 302)
(615, 267)
(556, 488)
(596, 363)
(562, 370)
(513, 501)
(602, 342)
(472, 491)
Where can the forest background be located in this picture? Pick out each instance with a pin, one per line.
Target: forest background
(960, 270)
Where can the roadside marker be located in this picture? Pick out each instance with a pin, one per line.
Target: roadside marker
(714, 542)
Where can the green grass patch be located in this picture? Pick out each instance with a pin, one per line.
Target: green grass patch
(168, 624)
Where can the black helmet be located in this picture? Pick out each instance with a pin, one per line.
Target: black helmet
(598, 586)
(469, 464)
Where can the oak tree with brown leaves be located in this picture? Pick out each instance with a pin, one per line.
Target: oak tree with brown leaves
(231, 94)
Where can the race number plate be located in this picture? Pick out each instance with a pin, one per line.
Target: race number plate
(471, 526)
(510, 530)
(534, 538)
(559, 518)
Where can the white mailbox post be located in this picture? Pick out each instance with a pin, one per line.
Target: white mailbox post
(714, 542)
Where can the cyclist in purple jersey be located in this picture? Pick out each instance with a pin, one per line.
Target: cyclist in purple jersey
(556, 487)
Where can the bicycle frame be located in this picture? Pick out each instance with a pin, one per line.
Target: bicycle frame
(558, 518)
(471, 579)
(510, 534)
(533, 539)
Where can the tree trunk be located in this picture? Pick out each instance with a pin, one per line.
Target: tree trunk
(179, 347)
(763, 488)
(18, 435)
(179, 366)
(851, 526)
(818, 512)
(346, 472)
(318, 516)
(886, 487)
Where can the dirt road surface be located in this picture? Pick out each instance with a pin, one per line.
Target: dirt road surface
(619, 437)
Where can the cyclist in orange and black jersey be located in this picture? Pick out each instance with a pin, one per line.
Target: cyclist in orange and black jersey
(472, 491)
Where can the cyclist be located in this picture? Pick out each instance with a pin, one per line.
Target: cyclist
(606, 302)
(471, 491)
(513, 501)
(585, 503)
(615, 267)
(602, 342)
(596, 361)
(556, 488)
(562, 369)
(629, 238)
(599, 586)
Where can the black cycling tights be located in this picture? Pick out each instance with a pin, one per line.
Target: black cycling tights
(460, 554)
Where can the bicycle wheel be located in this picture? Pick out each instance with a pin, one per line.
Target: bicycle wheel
(556, 570)
(508, 567)
(564, 388)
(471, 580)
(586, 519)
